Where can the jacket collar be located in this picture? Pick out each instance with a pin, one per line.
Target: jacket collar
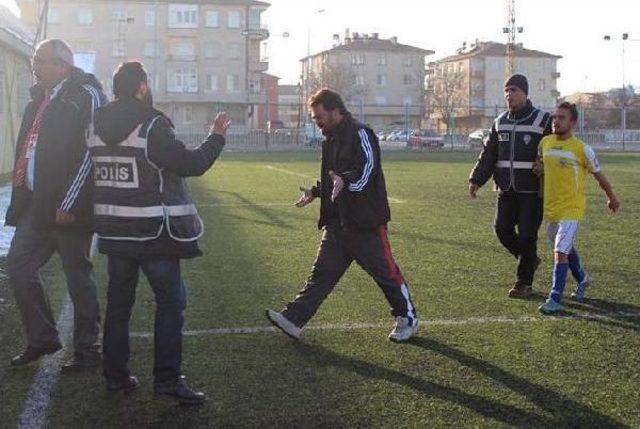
(522, 113)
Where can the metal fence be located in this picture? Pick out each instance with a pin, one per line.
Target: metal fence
(613, 129)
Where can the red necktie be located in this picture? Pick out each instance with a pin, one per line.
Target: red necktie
(29, 143)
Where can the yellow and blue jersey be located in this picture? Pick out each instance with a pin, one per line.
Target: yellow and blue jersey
(566, 166)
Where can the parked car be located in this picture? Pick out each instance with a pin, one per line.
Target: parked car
(398, 136)
(426, 138)
(477, 138)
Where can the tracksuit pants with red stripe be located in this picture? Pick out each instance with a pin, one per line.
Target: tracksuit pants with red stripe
(338, 249)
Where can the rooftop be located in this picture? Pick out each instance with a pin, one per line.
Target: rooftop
(495, 49)
(366, 42)
(14, 34)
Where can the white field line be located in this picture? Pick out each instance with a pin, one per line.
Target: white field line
(293, 173)
(362, 326)
(36, 406)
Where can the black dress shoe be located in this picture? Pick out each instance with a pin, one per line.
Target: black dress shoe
(180, 390)
(32, 354)
(82, 362)
(127, 385)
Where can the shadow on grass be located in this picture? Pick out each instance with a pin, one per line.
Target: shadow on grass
(565, 411)
(610, 313)
(486, 407)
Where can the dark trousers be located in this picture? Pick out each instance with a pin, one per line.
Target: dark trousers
(525, 212)
(370, 250)
(30, 250)
(170, 293)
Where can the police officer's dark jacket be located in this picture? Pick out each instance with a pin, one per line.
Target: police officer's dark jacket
(511, 149)
(352, 151)
(141, 202)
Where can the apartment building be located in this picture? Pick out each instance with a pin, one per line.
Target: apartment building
(474, 79)
(202, 56)
(381, 80)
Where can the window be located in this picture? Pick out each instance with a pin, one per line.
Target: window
(254, 18)
(234, 51)
(119, 48)
(119, 14)
(408, 79)
(233, 83)
(541, 84)
(212, 82)
(85, 16)
(182, 79)
(234, 19)
(53, 16)
(187, 114)
(150, 17)
(183, 50)
(212, 18)
(153, 81)
(382, 60)
(382, 79)
(358, 79)
(381, 100)
(357, 59)
(212, 50)
(183, 16)
(150, 49)
(408, 61)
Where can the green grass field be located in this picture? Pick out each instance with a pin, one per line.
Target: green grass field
(582, 370)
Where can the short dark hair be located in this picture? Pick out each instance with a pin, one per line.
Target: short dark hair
(127, 79)
(329, 99)
(573, 110)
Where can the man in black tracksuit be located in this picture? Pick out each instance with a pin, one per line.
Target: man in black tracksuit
(146, 221)
(508, 155)
(51, 205)
(354, 213)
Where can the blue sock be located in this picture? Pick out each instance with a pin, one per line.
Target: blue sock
(574, 265)
(559, 280)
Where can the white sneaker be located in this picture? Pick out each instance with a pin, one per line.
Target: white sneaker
(549, 307)
(284, 324)
(403, 330)
(580, 292)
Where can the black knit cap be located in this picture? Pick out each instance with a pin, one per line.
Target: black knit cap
(519, 81)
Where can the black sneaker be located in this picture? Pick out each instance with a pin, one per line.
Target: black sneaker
(32, 354)
(179, 390)
(127, 385)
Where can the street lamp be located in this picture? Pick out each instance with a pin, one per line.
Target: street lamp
(307, 63)
(623, 95)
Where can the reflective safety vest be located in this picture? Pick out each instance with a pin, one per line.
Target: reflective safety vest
(136, 200)
(518, 142)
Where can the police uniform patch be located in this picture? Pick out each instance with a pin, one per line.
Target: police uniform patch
(503, 137)
(527, 138)
(116, 172)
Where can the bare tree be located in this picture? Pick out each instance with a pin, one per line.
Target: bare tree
(446, 93)
(339, 78)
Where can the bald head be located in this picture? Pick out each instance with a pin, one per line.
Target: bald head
(52, 62)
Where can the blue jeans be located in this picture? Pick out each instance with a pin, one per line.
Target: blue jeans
(169, 290)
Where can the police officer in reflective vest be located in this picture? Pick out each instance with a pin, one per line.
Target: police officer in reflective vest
(146, 220)
(508, 155)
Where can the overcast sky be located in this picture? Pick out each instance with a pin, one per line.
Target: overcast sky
(571, 28)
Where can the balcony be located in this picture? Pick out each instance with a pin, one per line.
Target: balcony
(256, 32)
(555, 75)
(258, 66)
(555, 93)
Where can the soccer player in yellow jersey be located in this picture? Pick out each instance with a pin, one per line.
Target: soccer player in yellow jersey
(565, 161)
